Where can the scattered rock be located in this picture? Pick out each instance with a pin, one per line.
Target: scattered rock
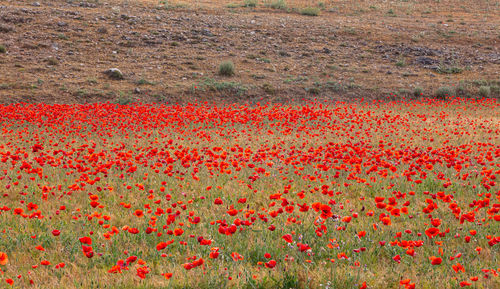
(29, 45)
(421, 51)
(102, 30)
(9, 18)
(52, 61)
(422, 60)
(284, 53)
(207, 32)
(36, 4)
(137, 90)
(114, 73)
(88, 5)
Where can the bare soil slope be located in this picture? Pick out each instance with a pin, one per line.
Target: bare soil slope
(56, 51)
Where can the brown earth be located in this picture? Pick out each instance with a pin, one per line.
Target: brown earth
(57, 51)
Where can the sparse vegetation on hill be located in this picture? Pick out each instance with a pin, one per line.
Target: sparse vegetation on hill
(380, 46)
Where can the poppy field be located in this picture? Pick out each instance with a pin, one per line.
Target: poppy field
(400, 194)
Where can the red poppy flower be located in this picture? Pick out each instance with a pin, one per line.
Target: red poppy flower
(271, 264)
(287, 238)
(3, 259)
(435, 260)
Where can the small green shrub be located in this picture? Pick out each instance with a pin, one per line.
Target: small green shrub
(3, 49)
(404, 92)
(449, 70)
(226, 68)
(278, 4)
(159, 98)
(310, 11)
(269, 89)
(484, 91)
(401, 63)
(495, 90)
(313, 90)
(52, 61)
(250, 3)
(143, 81)
(461, 90)
(444, 91)
(123, 101)
(418, 91)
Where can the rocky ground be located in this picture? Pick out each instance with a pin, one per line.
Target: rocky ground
(58, 51)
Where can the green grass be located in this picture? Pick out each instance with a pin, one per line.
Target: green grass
(253, 152)
(143, 81)
(449, 69)
(209, 84)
